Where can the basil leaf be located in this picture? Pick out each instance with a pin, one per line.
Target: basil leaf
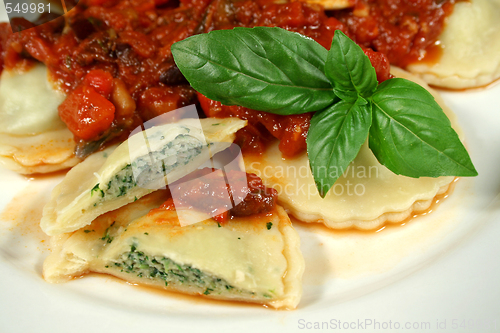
(334, 139)
(412, 136)
(349, 69)
(267, 69)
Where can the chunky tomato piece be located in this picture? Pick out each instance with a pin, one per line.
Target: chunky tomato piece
(294, 135)
(381, 64)
(86, 112)
(209, 106)
(101, 81)
(262, 127)
(222, 218)
(159, 100)
(168, 204)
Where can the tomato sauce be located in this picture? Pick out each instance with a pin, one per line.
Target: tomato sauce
(131, 39)
(403, 30)
(208, 190)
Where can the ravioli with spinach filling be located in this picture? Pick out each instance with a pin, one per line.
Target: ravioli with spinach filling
(253, 259)
(115, 177)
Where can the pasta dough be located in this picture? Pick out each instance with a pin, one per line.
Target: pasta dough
(145, 162)
(470, 45)
(253, 259)
(365, 196)
(39, 153)
(32, 137)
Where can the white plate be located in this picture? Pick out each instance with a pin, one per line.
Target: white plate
(437, 273)
(439, 270)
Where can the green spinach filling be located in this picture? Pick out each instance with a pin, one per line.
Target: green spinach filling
(120, 184)
(151, 168)
(164, 269)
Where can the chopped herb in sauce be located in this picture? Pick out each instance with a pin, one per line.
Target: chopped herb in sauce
(269, 225)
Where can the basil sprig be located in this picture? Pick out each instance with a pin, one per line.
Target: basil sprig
(277, 71)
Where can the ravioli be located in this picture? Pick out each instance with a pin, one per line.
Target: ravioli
(252, 259)
(147, 161)
(365, 196)
(40, 153)
(470, 45)
(32, 137)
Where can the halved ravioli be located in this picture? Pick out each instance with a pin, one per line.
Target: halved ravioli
(470, 45)
(366, 195)
(251, 259)
(32, 137)
(147, 161)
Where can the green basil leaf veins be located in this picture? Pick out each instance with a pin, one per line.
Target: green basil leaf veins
(267, 69)
(349, 69)
(412, 136)
(334, 139)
